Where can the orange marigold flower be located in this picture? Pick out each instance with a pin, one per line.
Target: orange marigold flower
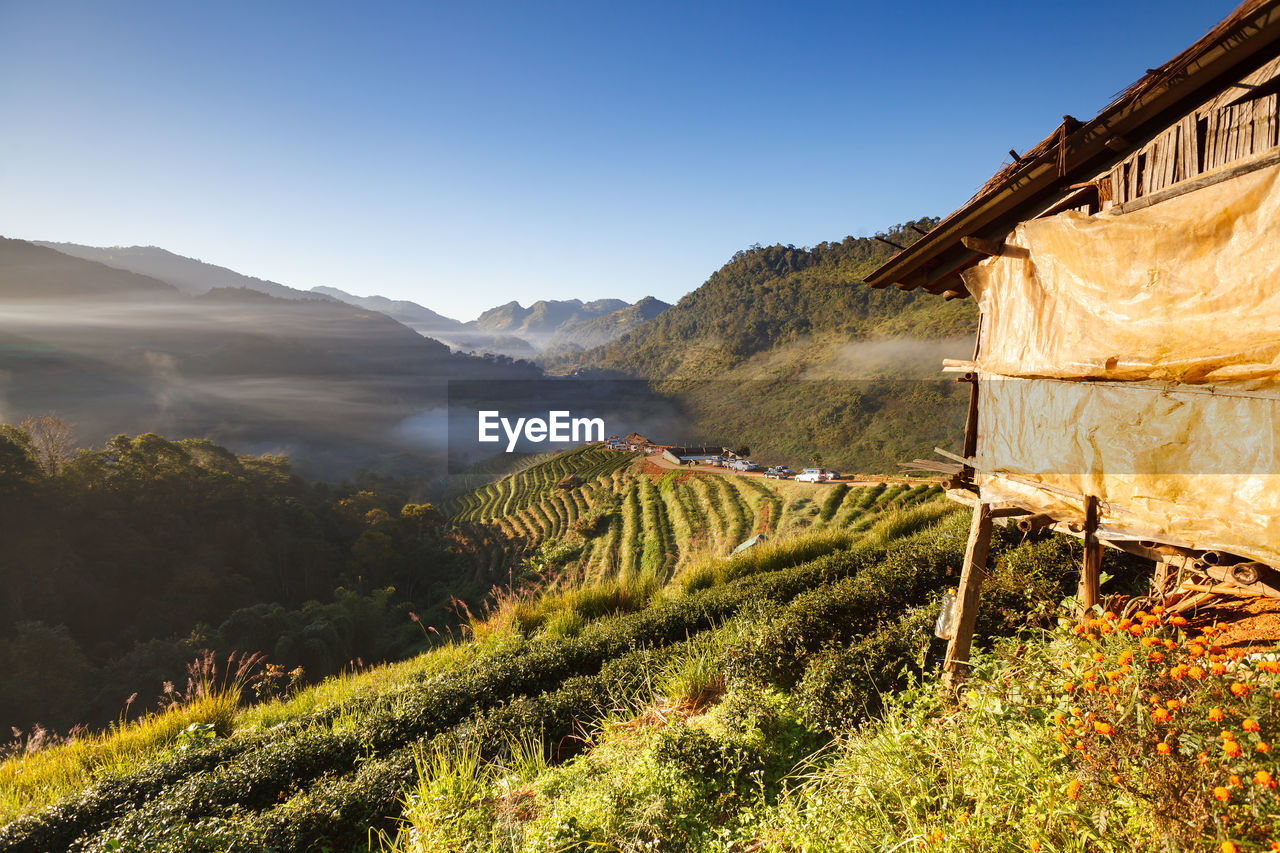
(1114, 691)
(1080, 745)
(1158, 609)
(1240, 689)
(1103, 728)
(1124, 624)
(1160, 715)
(1216, 714)
(1227, 734)
(1148, 642)
(1263, 779)
(1115, 780)
(1195, 650)
(1233, 780)
(1155, 657)
(1075, 711)
(1098, 657)
(1058, 719)
(1163, 748)
(1263, 746)
(1090, 686)
(1173, 704)
(1170, 645)
(1073, 789)
(1178, 620)
(1126, 669)
(1231, 748)
(1033, 846)
(1217, 668)
(1228, 847)
(1251, 725)
(1195, 672)
(1202, 758)
(1222, 794)
(1109, 616)
(1068, 686)
(1126, 656)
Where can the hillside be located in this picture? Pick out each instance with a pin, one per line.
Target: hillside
(777, 700)
(186, 274)
(600, 330)
(625, 516)
(766, 298)
(422, 320)
(784, 351)
(334, 386)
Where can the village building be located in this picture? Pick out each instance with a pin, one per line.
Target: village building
(1125, 385)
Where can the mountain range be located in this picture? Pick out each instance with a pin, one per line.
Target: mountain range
(509, 329)
(782, 350)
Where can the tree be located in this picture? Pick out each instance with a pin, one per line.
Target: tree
(51, 442)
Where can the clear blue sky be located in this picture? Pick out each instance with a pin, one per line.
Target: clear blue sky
(470, 153)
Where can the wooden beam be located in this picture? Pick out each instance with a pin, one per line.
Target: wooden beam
(1087, 593)
(990, 248)
(974, 570)
(1207, 179)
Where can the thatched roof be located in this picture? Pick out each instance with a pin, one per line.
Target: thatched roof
(1041, 180)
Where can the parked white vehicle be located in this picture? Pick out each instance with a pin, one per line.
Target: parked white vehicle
(811, 475)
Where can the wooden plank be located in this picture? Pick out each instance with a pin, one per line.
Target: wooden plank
(972, 573)
(1087, 593)
(1208, 179)
(1188, 165)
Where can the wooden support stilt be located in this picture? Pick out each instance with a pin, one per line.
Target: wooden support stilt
(1087, 593)
(971, 576)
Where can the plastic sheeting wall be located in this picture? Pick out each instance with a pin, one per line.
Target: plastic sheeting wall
(1137, 358)
(1186, 290)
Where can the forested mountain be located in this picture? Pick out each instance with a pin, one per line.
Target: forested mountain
(334, 386)
(599, 330)
(186, 274)
(785, 351)
(769, 297)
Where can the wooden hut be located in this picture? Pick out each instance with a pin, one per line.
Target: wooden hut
(1125, 387)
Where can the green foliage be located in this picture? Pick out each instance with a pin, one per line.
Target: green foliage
(122, 564)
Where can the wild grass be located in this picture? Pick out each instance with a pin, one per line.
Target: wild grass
(705, 570)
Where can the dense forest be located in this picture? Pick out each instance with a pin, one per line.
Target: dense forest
(123, 564)
(767, 297)
(785, 351)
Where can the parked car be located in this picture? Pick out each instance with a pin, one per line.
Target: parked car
(783, 469)
(832, 475)
(745, 465)
(812, 475)
(778, 473)
(718, 461)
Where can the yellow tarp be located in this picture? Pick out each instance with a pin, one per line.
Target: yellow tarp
(1172, 464)
(1148, 351)
(1186, 290)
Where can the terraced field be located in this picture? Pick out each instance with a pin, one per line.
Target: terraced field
(628, 516)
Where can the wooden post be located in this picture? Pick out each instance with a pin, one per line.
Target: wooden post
(1087, 593)
(971, 576)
